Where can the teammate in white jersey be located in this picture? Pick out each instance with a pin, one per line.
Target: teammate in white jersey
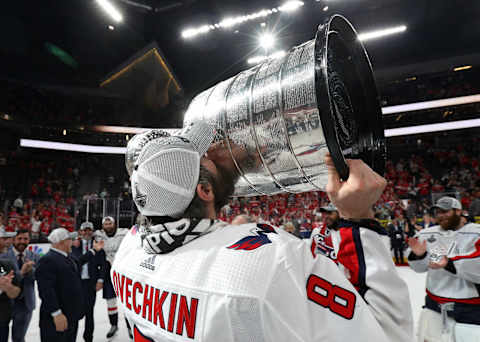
(113, 237)
(450, 253)
(185, 276)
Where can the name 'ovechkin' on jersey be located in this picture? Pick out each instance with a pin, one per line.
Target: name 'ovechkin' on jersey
(171, 311)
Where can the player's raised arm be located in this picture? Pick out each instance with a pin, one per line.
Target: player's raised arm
(360, 249)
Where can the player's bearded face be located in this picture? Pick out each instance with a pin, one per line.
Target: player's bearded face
(448, 220)
(109, 226)
(223, 186)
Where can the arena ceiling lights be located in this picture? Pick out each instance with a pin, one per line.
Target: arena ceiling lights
(392, 132)
(381, 33)
(111, 10)
(437, 127)
(289, 6)
(54, 145)
(410, 107)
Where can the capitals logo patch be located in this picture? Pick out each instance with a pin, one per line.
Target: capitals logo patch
(259, 238)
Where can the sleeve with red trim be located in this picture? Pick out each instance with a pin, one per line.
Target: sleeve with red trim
(364, 255)
(467, 263)
(321, 305)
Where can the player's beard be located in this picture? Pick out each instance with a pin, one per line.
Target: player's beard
(110, 231)
(450, 223)
(223, 186)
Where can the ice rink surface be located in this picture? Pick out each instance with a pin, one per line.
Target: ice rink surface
(415, 281)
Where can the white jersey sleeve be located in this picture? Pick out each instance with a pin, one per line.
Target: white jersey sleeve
(309, 299)
(362, 253)
(466, 263)
(418, 263)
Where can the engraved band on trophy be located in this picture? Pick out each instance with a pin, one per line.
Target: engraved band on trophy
(287, 113)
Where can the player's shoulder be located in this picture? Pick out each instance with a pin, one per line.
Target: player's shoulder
(252, 236)
(473, 228)
(430, 230)
(122, 231)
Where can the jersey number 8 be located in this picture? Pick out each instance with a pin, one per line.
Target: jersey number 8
(339, 300)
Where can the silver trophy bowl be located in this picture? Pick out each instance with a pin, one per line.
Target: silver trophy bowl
(279, 118)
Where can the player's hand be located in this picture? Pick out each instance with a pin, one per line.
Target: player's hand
(437, 265)
(61, 322)
(354, 197)
(27, 267)
(418, 248)
(99, 286)
(98, 245)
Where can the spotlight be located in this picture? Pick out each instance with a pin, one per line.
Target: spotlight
(291, 6)
(266, 41)
(111, 27)
(111, 10)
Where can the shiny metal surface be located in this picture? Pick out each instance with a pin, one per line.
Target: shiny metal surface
(281, 117)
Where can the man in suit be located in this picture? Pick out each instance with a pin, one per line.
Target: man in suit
(60, 288)
(92, 275)
(397, 237)
(10, 287)
(25, 260)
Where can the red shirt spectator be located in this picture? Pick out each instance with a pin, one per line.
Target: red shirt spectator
(423, 188)
(437, 187)
(402, 188)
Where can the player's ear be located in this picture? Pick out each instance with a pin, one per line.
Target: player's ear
(205, 192)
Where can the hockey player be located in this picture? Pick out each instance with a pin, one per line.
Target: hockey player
(113, 237)
(184, 276)
(450, 253)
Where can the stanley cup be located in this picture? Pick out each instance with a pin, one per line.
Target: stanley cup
(285, 114)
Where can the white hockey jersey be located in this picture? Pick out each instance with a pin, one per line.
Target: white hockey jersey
(112, 243)
(363, 254)
(459, 281)
(240, 283)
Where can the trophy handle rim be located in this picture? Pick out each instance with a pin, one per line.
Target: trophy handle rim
(371, 136)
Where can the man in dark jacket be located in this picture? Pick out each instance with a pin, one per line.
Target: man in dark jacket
(10, 288)
(25, 260)
(92, 275)
(60, 288)
(397, 238)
